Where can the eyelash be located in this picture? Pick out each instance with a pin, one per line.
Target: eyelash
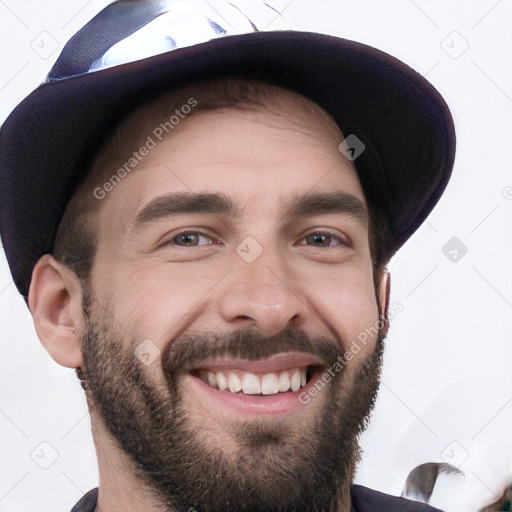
(202, 233)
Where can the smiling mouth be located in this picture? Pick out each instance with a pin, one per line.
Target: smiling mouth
(280, 374)
(269, 386)
(249, 383)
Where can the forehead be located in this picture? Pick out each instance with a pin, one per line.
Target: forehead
(262, 157)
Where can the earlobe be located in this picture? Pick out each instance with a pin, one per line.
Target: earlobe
(55, 304)
(384, 291)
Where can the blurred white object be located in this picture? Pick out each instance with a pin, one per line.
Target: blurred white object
(481, 450)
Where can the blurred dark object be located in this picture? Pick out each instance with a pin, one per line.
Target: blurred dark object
(422, 479)
(504, 504)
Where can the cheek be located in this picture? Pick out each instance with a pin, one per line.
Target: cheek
(157, 301)
(348, 303)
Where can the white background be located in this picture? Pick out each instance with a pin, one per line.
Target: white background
(447, 383)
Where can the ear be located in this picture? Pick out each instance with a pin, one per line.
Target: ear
(384, 289)
(55, 302)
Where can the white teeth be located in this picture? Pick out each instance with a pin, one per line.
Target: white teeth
(283, 383)
(212, 380)
(269, 384)
(295, 381)
(222, 382)
(234, 383)
(251, 384)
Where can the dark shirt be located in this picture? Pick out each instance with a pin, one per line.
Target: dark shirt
(363, 500)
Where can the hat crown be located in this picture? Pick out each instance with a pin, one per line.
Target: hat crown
(131, 30)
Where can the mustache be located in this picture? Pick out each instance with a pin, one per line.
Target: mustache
(193, 350)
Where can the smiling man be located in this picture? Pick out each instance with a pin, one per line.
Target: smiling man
(211, 252)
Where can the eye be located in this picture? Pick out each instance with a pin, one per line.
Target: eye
(189, 238)
(193, 238)
(324, 239)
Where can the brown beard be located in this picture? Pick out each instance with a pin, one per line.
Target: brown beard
(278, 467)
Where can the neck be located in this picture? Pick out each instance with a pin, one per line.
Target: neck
(119, 488)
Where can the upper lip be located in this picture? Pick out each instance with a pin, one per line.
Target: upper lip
(278, 362)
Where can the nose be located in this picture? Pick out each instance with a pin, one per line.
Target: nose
(261, 294)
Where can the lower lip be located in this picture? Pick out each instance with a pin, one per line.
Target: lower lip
(280, 403)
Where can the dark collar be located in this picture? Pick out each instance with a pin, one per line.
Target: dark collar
(363, 500)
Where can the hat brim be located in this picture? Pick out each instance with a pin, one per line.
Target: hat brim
(48, 141)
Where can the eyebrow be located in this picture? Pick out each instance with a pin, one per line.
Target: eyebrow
(177, 203)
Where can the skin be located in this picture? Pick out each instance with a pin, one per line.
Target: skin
(164, 293)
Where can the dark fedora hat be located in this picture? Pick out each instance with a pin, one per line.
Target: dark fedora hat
(395, 121)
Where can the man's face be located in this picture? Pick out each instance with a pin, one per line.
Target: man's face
(257, 293)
